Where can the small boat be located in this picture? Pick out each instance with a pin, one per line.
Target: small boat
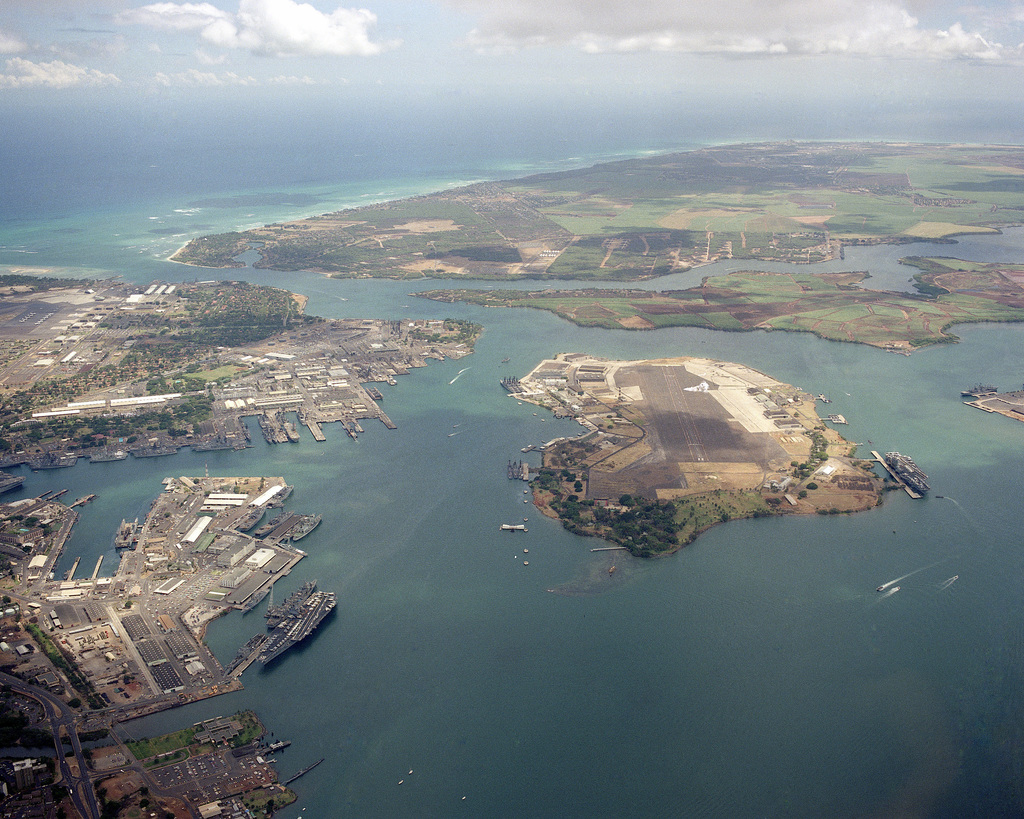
(505, 360)
(880, 588)
(611, 570)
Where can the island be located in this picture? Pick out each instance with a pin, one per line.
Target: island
(675, 446)
(648, 217)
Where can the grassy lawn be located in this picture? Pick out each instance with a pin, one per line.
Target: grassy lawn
(220, 372)
(148, 748)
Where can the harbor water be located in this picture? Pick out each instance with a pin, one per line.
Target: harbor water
(755, 673)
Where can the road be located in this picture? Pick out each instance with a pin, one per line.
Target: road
(63, 717)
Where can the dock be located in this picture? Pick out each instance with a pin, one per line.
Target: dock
(96, 571)
(74, 568)
(610, 549)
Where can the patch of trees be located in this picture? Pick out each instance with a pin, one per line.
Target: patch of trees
(14, 730)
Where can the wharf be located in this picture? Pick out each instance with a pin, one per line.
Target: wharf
(314, 428)
(1010, 404)
(896, 477)
(281, 530)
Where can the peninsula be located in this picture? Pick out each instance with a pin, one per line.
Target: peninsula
(643, 218)
(677, 445)
(107, 370)
(830, 305)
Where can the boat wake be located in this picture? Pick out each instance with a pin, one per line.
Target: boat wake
(457, 376)
(963, 511)
(889, 584)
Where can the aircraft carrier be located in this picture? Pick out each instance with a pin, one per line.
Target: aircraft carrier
(906, 470)
(9, 481)
(298, 623)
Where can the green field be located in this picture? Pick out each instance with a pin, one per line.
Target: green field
(175, 741)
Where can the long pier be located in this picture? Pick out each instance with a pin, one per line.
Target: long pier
(96, 571)
(314, 428)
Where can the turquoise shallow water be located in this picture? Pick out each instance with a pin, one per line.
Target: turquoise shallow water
(756, 673)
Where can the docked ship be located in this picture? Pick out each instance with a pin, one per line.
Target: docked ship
(246, 651)
(212, 445)
(255, 599)
(511, 385)
(270, 525)
(106, 455)
(53, 460)
(127, 537)
(277, 614)
(249, 518)
(906, 470)
(298, 623)
(279, 499)
(306, 525)
(154, 451)
(979, 390)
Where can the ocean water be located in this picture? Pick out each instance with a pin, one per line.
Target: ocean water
(755, 673)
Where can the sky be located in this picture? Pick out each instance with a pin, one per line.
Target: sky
(881, 55)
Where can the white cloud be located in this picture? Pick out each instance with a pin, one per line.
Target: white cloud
(205, 79)
(9, 44)
(23, 73)
(275, 28)
(740, 27)
(174, 16)
(283, 80)
(210, 59)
